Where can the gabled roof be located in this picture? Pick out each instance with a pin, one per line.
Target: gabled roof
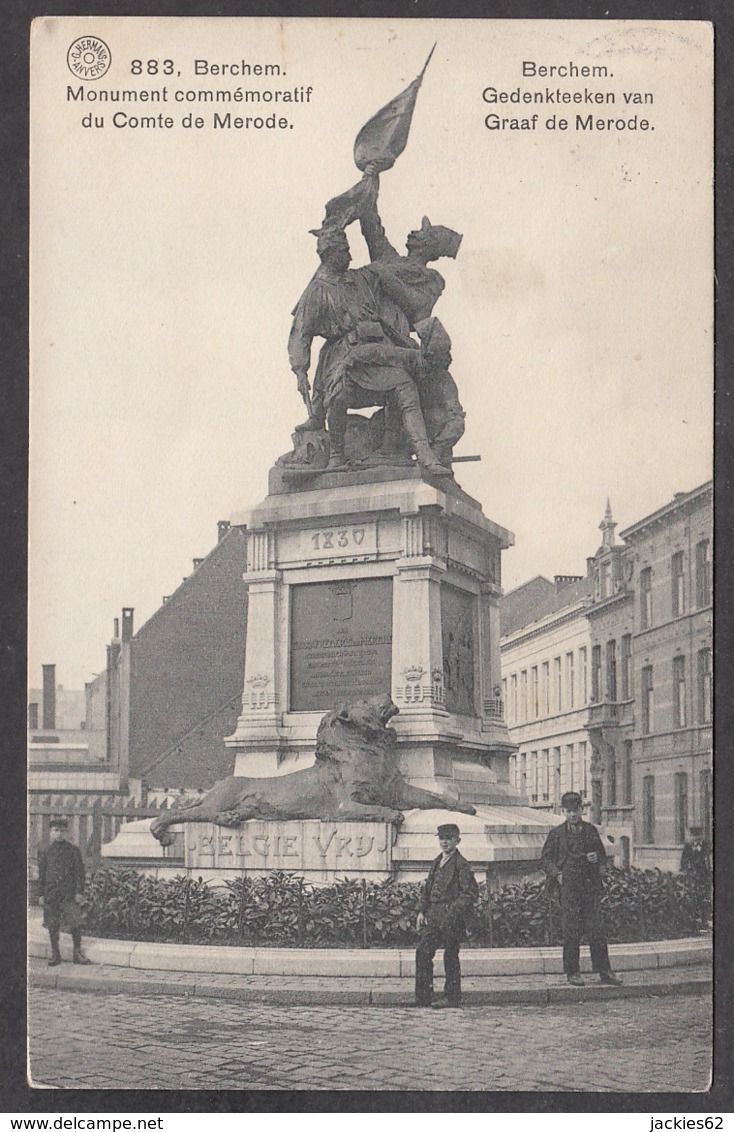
(537, 599)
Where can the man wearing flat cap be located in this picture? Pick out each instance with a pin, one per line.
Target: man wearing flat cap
(61, 877)
(574, 857)
(446, 902)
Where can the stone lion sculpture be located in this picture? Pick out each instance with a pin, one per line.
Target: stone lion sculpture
(355, 778)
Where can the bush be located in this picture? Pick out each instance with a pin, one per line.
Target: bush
(282, 910)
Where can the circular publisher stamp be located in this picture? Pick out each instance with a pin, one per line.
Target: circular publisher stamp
(89, 57)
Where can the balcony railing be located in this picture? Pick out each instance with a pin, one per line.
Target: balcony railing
(609, 714)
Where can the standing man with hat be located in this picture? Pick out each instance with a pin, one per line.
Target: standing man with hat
(446, 902)
(574, 855)
(61, 877)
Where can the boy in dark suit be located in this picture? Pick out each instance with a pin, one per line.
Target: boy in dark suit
(574, 855)
(446, 902)
(61, 877)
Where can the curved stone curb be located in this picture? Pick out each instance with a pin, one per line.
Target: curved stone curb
(334, 995)
(368, 963)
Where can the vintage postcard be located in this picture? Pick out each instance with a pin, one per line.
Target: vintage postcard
(370, 655)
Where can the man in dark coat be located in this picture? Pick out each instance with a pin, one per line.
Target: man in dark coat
(695, 855)
(446, 903)
(61, 878)
(573, 855)
(696, 861)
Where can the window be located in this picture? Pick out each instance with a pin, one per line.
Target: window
(523, 695)
(678, 595)
(558, 702)
(504, 693)
(626, 666)
(612, 671)
(524, 775)
(681, 807)
(546, 687)
(569, 679)
(648, 809)
(557, 773)
(611, 776)
(534, 776)
(648, 715)
(627, 773)
(582, 784)
(535, 701)
(703, 573)
(646, 598)
(704, 786)
(596, 674)
(513, 698)
(583, 677)
(544, 776)
(605, 579)
(679, 691)
(705, 685)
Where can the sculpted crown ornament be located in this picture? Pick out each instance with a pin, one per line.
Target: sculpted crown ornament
(414, 672)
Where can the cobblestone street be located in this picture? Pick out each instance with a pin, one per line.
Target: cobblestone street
(106, 1041)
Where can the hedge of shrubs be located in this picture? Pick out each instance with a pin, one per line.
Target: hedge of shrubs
(281, 910)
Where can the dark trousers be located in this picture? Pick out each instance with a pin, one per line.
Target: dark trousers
(581, 915)
(430, 941)
(53, 913)
(76, 937)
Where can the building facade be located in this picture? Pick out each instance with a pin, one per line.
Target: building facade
(668, 563)
(622, 662)
(545, 663)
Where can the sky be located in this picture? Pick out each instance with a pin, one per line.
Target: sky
(165, 264)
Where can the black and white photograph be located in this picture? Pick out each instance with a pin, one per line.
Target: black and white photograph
(370, 646)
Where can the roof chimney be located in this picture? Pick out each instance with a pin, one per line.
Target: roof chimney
(49, 697)
(566, 579)
(127, 623)
(197, 563)
(222, 527)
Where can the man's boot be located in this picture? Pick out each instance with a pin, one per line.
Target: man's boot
(415, 427)
(55, 950)
(313, 424)
(79, 956)
(337, 417)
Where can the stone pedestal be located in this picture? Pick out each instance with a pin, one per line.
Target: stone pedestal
(504, 841)
(362, 585)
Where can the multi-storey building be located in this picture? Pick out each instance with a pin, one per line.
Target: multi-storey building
(626, 652)
(668, 566)
(545, 663)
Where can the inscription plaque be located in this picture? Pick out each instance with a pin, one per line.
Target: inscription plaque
(341, 642)
(290, 846)
(459, 635)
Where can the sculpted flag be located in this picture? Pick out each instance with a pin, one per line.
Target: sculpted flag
(385, 136)
(380, 141)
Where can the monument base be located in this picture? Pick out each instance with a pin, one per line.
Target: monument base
(505, 840)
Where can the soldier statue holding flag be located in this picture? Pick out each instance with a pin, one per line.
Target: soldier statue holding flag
(366, 315)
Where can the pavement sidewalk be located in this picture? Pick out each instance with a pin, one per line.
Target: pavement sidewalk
(378, 976)
(354, 990)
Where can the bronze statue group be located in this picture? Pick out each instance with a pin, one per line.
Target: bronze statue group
(382, 345)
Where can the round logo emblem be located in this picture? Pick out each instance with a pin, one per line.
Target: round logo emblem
(89, 57)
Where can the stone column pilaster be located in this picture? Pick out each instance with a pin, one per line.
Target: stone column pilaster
(262, 697)
(417, 645)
